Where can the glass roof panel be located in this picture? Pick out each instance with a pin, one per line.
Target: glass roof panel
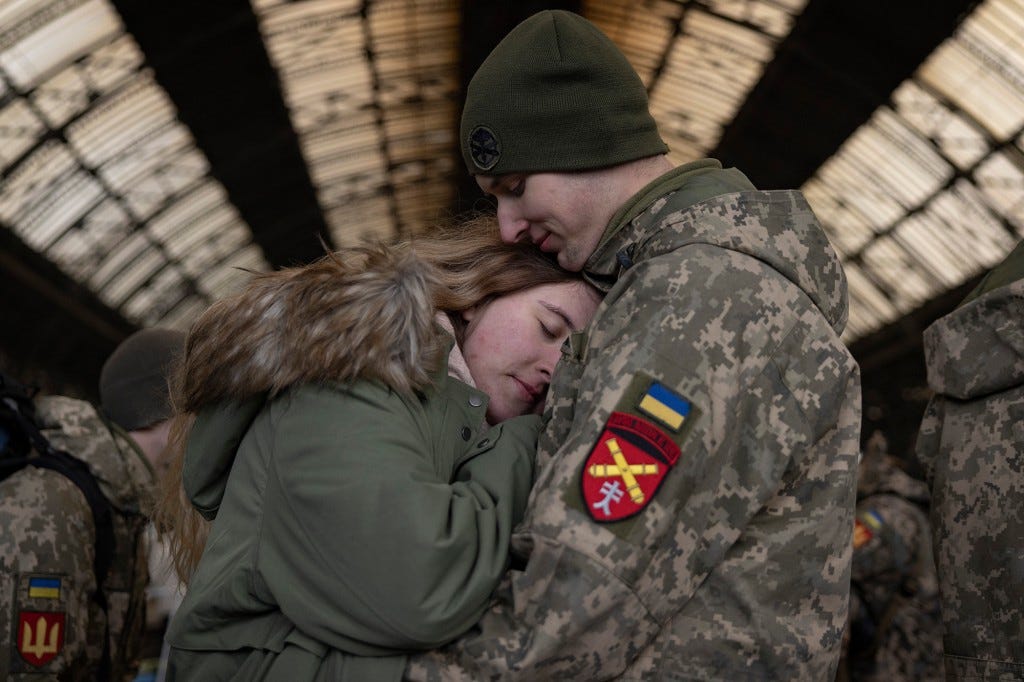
(20, 130)
(939, 174)
(365, 217)
(363, 123)
(981, 69)
(698, 80)
(91, 148)
(32, 50)
(958, 138)
(1001, 179)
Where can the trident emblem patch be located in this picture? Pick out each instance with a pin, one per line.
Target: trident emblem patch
(40, 636)
(626, 467)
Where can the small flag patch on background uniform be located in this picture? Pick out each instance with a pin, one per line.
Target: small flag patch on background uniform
(668, 407)
(45, 588)
(873, 519)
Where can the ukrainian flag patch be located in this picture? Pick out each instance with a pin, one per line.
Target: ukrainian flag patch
(873, 519)
(664, 405)
(44, 588)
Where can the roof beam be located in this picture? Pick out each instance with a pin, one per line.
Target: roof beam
(841, 61)
(211, 60)
(57, 333)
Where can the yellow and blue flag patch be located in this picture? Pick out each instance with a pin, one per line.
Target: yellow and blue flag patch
(44, 588)
(873, 519)
(665, 406)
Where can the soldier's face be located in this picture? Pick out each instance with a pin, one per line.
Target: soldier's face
(511, 344)
(562, 213)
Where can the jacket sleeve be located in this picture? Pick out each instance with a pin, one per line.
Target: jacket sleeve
(757, 508)
(365, 544)
(47, 545)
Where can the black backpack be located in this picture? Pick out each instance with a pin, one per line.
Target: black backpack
(22, 444)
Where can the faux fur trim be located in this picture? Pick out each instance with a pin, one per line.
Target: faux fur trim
(364, 313)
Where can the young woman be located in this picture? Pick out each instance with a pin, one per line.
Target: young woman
(362, 489)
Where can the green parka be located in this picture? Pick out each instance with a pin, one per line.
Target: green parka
(352, 523)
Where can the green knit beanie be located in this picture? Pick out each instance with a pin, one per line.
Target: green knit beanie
(134, 389)
(556, 94)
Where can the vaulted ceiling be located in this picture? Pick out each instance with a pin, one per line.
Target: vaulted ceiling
(153, 152)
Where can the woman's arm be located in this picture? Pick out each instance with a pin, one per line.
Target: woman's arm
(363, 537)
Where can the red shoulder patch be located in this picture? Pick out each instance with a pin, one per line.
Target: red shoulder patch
(626, 467)
(40, 636)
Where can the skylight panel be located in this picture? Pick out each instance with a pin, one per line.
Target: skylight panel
(90, 149)
(67, 37)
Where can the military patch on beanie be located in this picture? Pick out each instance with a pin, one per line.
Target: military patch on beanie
(484, 147)
(556, 94)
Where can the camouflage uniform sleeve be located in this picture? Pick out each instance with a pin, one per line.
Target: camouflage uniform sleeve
(46, 550)
(705, 576)
(971, 444)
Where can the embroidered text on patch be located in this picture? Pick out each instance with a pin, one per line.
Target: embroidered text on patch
(626, 467)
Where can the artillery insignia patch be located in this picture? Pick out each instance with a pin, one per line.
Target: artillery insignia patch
(626, 467)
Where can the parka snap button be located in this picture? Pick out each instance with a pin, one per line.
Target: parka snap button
(466, 433)
(476, 401)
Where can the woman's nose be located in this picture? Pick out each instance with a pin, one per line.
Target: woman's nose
(549, 358)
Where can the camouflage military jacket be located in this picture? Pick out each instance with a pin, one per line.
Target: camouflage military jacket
(895, 630)
(52, 628)
(972, 445)
(692, 511)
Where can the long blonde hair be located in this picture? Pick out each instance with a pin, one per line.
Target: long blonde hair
(459, 266)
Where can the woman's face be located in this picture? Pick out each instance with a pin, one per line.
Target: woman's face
(511, 344)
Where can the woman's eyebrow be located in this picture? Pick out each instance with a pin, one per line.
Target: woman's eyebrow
(561, 313)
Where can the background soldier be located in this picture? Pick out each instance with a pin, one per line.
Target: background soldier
(971, 444)
(54, 623)
(894, 631)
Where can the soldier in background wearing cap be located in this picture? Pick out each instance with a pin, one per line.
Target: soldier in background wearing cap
(971, 443)
(52, 621)
(695, 483)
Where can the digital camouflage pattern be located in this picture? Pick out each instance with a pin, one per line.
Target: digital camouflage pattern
(895, 628)
(739, 566)
(971, 443)
(47, 537)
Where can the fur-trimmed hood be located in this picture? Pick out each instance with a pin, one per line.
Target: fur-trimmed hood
(362, 313)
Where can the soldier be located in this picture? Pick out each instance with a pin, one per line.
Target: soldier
(894, 632)
(971, 444)
(54, 623)
(694, 494)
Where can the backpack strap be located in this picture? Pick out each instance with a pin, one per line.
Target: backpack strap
(77, 472)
